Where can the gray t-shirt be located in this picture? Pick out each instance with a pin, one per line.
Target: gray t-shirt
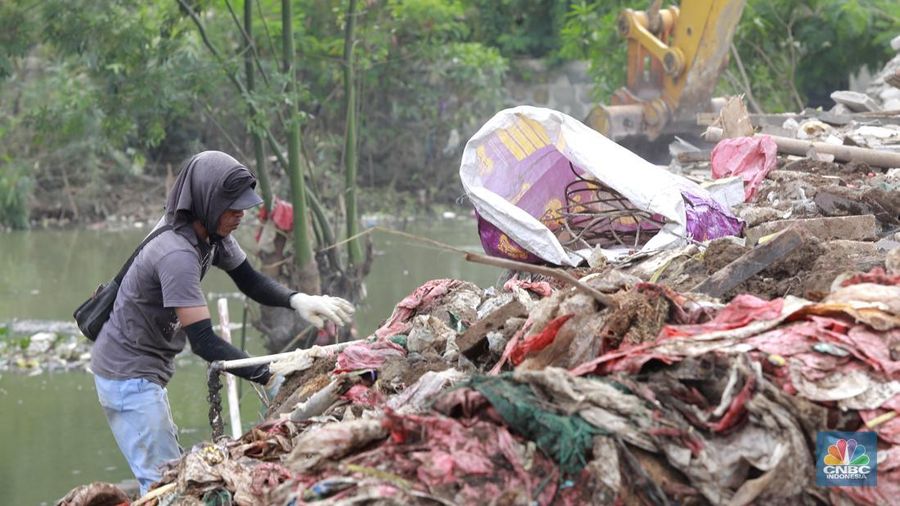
(143, 335)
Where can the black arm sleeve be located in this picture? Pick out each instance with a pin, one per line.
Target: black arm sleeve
(260, 287)
(210, 347)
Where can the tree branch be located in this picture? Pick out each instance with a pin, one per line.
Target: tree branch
(248, 41)
(748, 89)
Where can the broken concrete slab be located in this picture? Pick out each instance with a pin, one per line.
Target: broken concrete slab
(754, 215)
(855, 101)
(856, 228)
(841, 201)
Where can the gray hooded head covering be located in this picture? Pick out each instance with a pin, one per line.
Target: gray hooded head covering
(210, 183)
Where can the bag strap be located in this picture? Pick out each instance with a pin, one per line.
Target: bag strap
(149, 238)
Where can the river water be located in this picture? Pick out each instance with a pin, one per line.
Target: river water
(53, 435)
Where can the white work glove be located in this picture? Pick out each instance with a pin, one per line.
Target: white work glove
(316, 308)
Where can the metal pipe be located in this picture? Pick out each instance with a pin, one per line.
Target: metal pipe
(265, 359)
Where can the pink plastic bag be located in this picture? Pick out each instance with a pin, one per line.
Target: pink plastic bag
(751, 158)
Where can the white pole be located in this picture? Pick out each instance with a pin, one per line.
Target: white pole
(234, 407)
(227, 365)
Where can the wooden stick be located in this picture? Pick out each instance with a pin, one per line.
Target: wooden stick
(153, 494)
(559, 274)
(503, 263)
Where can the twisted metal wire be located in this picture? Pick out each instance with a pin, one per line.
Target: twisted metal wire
(596, 215)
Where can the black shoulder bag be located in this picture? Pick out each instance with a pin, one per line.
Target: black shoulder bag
(94, 312)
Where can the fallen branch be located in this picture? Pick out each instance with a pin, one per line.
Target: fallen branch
(559, 274)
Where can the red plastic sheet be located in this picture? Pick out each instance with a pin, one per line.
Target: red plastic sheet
(539, 341)
(478, 458)
(361, 394)
(740, 312)
(367, 356)
(422, 299)
(541, 288)
(876, 275)
(751, 158)
(282, 215)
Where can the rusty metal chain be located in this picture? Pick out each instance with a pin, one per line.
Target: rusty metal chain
(214, 386)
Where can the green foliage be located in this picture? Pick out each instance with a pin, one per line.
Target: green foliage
(16, 34)
(99, 91)
(858, 34)
(796, 53)
(93, 89)
(518, 27)
(419, 75)
(589, 33)
(427, 21)
(14, 190)
(429, 79)
(128, 49)
(792, 52)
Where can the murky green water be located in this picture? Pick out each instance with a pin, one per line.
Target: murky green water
(53, 435)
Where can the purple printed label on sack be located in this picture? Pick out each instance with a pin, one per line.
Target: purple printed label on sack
(707, 219)
(498, 244)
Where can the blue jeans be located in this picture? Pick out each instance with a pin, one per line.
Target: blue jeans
(138, 414)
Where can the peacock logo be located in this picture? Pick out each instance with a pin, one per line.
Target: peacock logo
(846, 452)
(846, 459)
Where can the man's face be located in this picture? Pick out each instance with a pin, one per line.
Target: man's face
(229, 221)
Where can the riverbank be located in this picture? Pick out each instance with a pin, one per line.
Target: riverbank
(55, 427)
(136, 201)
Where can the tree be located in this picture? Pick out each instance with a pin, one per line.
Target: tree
(350, 159)
(307, 272)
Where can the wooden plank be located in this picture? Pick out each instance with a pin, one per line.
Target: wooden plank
(693, 156)
(750, 263)
(474, 340)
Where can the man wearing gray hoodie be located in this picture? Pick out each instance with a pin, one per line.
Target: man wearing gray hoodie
(160, 306)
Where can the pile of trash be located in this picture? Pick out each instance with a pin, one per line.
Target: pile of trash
(536, 394)
(707, 330)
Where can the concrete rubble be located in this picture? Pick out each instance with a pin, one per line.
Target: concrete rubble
(701, 376)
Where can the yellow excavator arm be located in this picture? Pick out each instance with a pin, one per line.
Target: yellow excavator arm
(675, 56)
